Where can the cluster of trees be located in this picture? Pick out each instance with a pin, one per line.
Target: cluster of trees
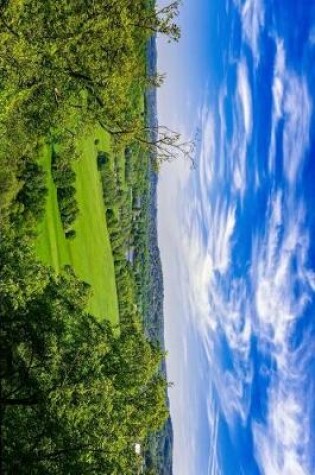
(126, 194)
(68, 66)
(30, 199)
(9, 186)
(131, 221)
(22, 193)
(64, 178)
(80, 391)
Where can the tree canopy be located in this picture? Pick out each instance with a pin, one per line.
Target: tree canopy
(80, 391)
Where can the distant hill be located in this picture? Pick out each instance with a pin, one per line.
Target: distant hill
(160, 445)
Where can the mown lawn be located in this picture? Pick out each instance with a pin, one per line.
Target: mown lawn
(90, 252)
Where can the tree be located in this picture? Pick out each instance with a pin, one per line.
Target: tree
(160, 20)
(69, 65)
(162, 143)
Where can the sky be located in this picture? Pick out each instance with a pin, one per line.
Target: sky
(180, 104)
(235, 236)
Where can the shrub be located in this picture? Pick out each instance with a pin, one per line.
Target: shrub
(102, 160)
(70, 234)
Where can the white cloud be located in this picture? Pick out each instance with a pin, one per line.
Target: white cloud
(291, 102)
(222, 227)
(277, 96)
(278, 80)
(221, 164)
(233, 168)
(245, 97)
(282, 445)
(213, 418)
(223, 304)
(297, 109)
(207, 238)
(253, 19)
(242, 128)
(206, 162)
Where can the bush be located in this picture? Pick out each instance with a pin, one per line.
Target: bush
(102, 160)
(70, 234)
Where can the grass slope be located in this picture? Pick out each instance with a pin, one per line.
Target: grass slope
(90, 252)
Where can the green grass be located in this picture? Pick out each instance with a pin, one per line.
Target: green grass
(90, 252)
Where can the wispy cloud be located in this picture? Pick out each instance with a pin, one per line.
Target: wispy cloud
(213, 418)
(291, 103)
(283, 443)
(284, 286)
(269, 298)
(297, 110)
(245, 97)
(207, 156)
(225, 309)
(277, 97)
(207, 229)
(242, 129)
(253, 18)
(278, 79)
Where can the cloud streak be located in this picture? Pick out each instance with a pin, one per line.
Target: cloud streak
(245, 97)
(283, 442)
(291, 103)
(252, 13)
(242, 131)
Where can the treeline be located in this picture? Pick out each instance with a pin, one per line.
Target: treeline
(64, 179)
(126, 192)
(130, 202)
(119, 217)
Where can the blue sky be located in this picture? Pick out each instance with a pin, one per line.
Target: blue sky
(236, 237)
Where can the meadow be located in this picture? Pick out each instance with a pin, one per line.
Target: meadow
(90, 252)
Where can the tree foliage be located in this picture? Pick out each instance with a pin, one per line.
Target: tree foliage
(66, 66)
(80, 391)
(61, 58)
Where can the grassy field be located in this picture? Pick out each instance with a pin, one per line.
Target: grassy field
(90, 252)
